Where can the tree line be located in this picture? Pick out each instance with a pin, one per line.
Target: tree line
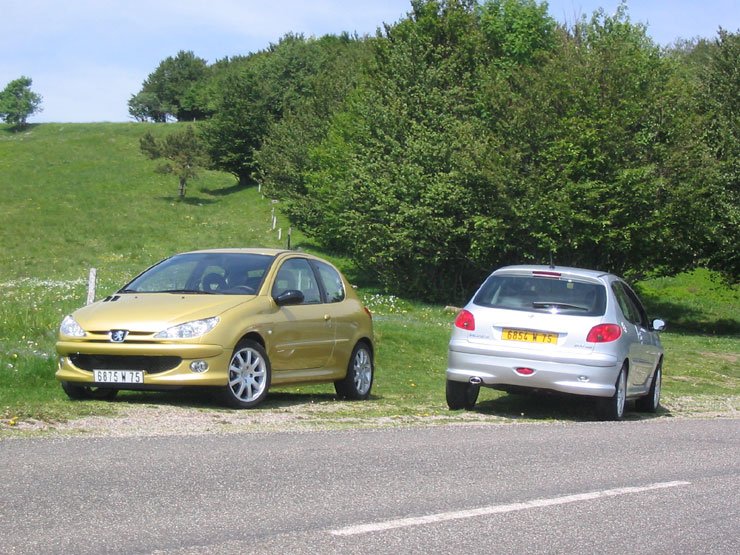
(469, 135)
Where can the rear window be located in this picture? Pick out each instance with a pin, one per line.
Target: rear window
(541, 294)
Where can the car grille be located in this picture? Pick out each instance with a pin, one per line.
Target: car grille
(150, 364)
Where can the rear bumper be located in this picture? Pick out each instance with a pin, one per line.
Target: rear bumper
(590, 374)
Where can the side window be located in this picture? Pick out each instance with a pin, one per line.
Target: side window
(332, 282)
(629, 309)
(642, 313)
(296, 273)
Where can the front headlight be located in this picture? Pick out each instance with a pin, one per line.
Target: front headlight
(188, 330)
(71, 328)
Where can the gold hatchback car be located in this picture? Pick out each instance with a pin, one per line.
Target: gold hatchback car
(241, 320)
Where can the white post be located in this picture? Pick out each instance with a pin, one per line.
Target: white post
(280, 234)
(91, 285)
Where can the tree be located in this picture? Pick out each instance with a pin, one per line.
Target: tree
(396, 180)
(241, 120)
(517, 31)
(182, 151)
(332, 70)
(168, 91)
(719, 100)
(18, 102)
(484, 134)
(255, 93)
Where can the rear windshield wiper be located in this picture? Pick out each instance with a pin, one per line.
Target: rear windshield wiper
(556, 304)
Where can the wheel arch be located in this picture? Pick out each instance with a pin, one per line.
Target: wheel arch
(367, 341)
(254, 336)
(626, 366)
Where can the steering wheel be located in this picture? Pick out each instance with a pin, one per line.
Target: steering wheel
(213, 282)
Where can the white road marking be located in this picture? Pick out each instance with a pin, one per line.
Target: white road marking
(499, 509)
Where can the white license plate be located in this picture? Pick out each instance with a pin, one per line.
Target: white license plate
(118, 376)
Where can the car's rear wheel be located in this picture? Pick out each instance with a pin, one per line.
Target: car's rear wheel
(249, 376)
(357, 383)
(83, 392)
(613, 407)
(651, 401)
(461, 395)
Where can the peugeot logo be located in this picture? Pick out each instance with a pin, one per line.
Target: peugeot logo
(118, 336)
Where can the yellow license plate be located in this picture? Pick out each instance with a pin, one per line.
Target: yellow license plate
(529, 336)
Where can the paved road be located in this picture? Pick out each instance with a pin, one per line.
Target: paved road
(661, 486)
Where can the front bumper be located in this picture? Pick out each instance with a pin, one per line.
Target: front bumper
(177, 376)
(589, 374)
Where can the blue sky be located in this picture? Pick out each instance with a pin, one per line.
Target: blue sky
(87, 57)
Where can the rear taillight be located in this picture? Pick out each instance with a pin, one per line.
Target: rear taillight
(604, 333)
(465, 321)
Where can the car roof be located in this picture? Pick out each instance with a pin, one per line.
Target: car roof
(563, 271)
(275, 253)
(240, 250)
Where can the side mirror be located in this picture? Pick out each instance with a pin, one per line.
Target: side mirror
(658, 324)
(289, 297)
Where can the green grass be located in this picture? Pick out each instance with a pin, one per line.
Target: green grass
(697, 302)
(80, 196)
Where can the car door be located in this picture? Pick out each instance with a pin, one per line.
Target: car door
(302, 335)
(644, 351)
(341, 311)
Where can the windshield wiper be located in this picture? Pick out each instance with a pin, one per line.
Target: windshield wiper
(556, 304)
(188, 291)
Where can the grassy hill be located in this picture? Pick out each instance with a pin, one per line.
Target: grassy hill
(81, 196)
(77, 196)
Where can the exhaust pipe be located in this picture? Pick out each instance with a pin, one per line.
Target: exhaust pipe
(475, 380)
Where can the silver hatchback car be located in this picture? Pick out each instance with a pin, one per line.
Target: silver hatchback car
(548, 328)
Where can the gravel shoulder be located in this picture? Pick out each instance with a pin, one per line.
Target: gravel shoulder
(136, 419)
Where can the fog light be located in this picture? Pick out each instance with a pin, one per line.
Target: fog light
(199, 366)
(583, 379)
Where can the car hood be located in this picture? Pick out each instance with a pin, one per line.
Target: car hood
(153, 311)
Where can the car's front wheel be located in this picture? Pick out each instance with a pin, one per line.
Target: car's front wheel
(613, 407)
(461, 395)
(359, 379)
(249, 376)
(651, 401)
(79, 392)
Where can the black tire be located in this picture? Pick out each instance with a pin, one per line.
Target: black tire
(249, 376)
(651, 401)
(461, 395)
(78, 392)
(613, 407)
(356, 385)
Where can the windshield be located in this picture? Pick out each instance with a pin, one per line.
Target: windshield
(204, 273)
(543, 294)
